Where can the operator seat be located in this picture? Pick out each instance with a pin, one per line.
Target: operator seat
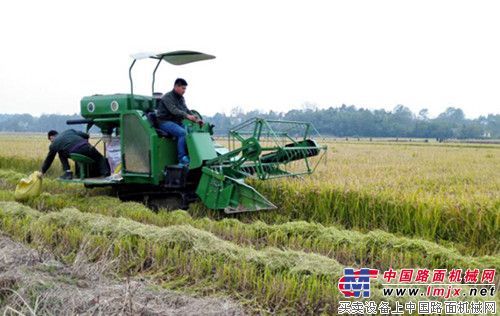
(156, 99)
(153, 119)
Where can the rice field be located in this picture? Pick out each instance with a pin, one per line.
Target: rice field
(369, 204)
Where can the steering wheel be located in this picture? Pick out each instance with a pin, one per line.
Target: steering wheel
(197, 114)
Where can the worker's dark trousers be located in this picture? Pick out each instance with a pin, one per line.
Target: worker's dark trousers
(100, 168)
(64, 162)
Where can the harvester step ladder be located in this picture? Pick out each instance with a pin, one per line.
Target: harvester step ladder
(83, 164)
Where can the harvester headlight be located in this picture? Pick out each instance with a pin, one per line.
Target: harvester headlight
(114, 106)
(90, 107)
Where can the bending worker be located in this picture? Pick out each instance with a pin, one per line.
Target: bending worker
(171, 111)
(72, 141)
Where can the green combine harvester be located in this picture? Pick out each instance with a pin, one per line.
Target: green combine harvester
(148, 168)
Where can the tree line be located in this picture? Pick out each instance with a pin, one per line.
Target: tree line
(344, 121)
(349, 121)
(43, 123)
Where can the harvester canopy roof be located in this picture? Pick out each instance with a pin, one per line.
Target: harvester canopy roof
(179, 57)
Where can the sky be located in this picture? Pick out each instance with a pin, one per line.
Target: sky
(271, 55)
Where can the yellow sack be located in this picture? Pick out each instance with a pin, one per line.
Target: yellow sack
(29, 187)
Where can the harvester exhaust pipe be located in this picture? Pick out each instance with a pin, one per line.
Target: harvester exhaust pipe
(77, 122)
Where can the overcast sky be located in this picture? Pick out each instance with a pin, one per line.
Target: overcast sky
(275, 55)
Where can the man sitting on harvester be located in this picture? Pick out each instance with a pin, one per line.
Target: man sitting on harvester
(69, 142)
(171, 111)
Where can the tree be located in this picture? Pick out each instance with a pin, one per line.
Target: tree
(423, 115)
(453, 115)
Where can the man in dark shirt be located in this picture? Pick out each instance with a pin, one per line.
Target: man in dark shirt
(171, 111)
(68, 142)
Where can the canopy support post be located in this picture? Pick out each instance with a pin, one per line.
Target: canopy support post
(154, 78)
(130, 78)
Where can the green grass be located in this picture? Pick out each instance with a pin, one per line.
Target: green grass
(375, 205)
(475, 231)
(377, 248)
(27, 165)
(274, 279)
(476, 227)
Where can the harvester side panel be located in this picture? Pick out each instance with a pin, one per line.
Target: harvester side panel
(145, 155)
(136, 147)
(164, 154)
(200, 148)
